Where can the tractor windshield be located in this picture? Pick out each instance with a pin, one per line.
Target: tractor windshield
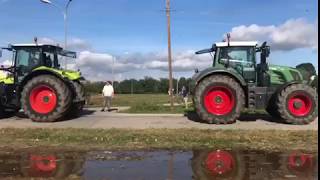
(54, 59)
(237, 54)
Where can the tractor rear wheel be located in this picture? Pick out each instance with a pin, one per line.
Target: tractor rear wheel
(219, 99)
(79, 93)
(298, 104)
(45, 98)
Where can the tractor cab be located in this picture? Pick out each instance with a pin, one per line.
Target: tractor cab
(241, 57)
(27, 57)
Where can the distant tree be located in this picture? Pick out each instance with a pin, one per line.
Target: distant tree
(146, 85)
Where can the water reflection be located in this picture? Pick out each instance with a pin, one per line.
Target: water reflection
(257, 165)
(197, 164)
(40, 164)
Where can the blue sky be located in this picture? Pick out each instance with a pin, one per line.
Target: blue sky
(134, 32)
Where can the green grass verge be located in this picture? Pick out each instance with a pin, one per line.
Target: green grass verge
(130, 99)
(117, 139)
(148, 108)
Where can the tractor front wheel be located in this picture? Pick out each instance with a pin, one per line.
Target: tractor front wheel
(298, 104)
(219, 99)
(45, 98)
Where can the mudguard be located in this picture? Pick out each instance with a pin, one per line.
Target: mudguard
(61, 74)
(215, 70)
(71, 75)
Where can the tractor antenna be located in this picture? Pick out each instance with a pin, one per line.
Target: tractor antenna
(35, 39)
(228, 38)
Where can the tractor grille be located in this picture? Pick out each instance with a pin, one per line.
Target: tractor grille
(295, 75)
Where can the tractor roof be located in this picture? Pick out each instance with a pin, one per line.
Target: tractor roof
(60, 50)
(237, 43)
(32, 45)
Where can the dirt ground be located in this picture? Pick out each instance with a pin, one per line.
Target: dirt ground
(92, 118)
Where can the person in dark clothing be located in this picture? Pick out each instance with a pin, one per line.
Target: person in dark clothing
(184, 94)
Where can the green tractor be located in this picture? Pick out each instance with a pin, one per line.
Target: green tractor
(238, 80)
(37, 84)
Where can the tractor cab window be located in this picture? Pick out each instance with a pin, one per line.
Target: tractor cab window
(243, 55)
(242, 59)
(51, 59)
(27, 59)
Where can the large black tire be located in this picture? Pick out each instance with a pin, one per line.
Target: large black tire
(57, 87)
(231, 88)
(77, 106)
(1, 112)
(288, 104)
(272, 107)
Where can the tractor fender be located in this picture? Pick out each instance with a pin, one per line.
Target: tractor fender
(42, 72)
(285, 85)
(224, 71)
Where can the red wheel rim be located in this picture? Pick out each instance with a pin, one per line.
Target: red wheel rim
(43, 99)
(219, 100)
(299, 105)
(300, 161)
(43, 163)
(220, 162)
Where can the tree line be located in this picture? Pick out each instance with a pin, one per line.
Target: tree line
(147, 85)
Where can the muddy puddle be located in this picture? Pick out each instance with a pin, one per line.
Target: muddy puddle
(162, 165)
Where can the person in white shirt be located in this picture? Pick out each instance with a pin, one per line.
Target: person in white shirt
(107, 93)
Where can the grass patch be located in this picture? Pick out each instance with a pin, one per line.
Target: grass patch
(146, 108)
(130, 99)
(118, 139)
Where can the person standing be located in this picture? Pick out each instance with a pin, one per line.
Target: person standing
(107, 93)
(184, 94)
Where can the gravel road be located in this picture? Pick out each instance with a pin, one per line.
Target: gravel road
(93, 118)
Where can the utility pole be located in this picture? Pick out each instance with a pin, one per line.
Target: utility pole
(131, 86)
(112, 70)
(169, 52)
(177, 91)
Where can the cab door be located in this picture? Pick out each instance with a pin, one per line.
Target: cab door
(242, 59)
(26, 60)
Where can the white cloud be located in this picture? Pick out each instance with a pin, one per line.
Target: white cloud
(75, 44)
(292, 34)
(99, 66)
(6, 63)
(45, 40)
(182, 62)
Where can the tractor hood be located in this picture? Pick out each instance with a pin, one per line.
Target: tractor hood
(284, 74)
(306, 70)
(4, 78)
(71, 75)
(280, 68)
